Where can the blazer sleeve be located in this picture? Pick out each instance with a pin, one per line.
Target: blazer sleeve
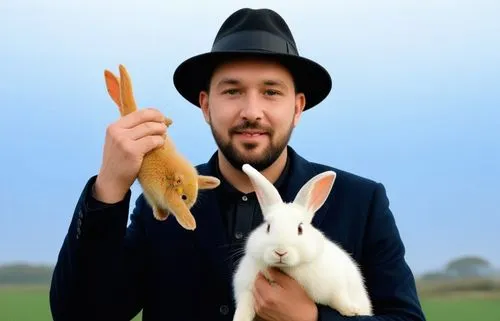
(100, 265)
(390, 281)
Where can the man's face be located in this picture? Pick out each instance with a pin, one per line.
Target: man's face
(252, 109)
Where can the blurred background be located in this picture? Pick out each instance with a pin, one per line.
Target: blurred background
(415, 105)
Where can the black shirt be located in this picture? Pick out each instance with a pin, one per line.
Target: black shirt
(241, 212)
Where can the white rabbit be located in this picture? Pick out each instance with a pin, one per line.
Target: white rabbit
(287, 240)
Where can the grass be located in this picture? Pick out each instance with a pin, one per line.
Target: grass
(26, 303)
(19, 303)
(462, 309)
(31, 303)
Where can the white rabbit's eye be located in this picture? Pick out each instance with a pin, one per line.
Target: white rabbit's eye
(268, 227)
(299, 229)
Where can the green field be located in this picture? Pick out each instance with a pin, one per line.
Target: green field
(25, 303)
(462, 309)
(30, 303)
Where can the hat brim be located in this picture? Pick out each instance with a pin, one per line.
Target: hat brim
(193, 75)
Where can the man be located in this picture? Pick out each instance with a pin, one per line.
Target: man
(252, 89)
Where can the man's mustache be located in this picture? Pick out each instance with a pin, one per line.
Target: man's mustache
(250, 125)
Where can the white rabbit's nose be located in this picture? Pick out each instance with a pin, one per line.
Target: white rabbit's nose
(280, 253)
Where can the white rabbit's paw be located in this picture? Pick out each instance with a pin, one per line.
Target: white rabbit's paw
(349, 310)
(244, 313)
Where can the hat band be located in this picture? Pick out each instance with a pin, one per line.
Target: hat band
(254, 40)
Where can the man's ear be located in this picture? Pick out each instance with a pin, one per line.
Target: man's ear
(300, 103)
(203, 101)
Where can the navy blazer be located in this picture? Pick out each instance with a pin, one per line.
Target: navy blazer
(108, 271)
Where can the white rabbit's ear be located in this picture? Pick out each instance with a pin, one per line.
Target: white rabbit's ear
(267, 194)
(315, 192)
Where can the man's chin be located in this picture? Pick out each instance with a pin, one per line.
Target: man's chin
(255, 157)
(259, 154)
(250, 149)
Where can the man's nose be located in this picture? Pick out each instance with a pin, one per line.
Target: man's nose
(252, 108)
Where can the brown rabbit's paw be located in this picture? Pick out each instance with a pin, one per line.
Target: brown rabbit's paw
(160, 214)
(187, 222)
(168, 121)
(207, 182)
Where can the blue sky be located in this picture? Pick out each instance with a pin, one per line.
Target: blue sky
(415, 105)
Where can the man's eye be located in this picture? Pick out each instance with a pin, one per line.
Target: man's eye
(271, 92)
(231, 91)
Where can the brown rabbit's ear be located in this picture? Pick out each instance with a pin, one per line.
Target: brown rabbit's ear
(126, 94)
(113, 87)
(207, 182)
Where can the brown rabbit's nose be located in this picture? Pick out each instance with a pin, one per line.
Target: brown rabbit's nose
(280, 253)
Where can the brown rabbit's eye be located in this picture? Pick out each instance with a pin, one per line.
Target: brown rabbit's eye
(299, 229)
(184, 197)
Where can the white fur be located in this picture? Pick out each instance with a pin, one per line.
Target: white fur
(329, 275)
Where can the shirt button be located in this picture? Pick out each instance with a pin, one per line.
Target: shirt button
(238, 235)
(224, 309)
(245, 198)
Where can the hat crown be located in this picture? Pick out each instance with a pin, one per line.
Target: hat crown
(256, 33)
(266, 20)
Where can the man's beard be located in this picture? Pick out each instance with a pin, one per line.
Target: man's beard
(261, 162)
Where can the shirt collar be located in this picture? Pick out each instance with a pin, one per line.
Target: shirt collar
(228, 189)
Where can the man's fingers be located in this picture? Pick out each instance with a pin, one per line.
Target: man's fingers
(148, 143)
(147, 129)
(278, 276)
(262, 286)
(258, 302)
(141, 116)
(266, 290)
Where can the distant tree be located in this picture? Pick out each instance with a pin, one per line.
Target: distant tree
(434, 276)
(14, 274)
(468, 266)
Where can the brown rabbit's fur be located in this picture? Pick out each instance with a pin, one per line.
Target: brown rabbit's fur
(169, 181)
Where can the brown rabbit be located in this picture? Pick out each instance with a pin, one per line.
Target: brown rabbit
(169, 181)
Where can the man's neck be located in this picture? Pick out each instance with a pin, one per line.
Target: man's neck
(240, 180)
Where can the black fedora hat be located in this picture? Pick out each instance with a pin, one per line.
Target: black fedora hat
(258, 33)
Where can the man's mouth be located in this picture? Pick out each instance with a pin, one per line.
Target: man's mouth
(251, 133)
